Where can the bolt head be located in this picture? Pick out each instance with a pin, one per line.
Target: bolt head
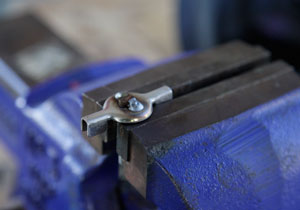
(120, 95)
(135, 105)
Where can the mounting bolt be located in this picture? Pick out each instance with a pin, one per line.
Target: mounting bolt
(122, 99)
(126, 100)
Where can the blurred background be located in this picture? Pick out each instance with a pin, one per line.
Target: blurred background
(99, 30)
(36, 34)
(103, 29)
(153, 30)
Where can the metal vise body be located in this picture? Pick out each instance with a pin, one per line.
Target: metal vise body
(229, 138)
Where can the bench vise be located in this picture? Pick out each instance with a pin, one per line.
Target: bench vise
(227, 135)
(218, 129)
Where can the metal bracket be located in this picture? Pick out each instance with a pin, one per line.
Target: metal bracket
(125, 108)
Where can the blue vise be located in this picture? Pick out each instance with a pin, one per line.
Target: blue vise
(40, 127)
(40, 111)
(228, 139)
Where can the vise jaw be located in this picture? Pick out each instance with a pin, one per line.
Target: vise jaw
(215, 144)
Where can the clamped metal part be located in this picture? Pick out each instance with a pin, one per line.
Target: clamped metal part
(125, 108)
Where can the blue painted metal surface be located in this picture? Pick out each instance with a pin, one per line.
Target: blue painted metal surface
(83, 78)
(54, 158)
(251, 161)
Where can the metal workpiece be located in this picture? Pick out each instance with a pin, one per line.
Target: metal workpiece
(125, 108)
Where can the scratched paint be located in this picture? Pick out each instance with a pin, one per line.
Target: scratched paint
(251, 161)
